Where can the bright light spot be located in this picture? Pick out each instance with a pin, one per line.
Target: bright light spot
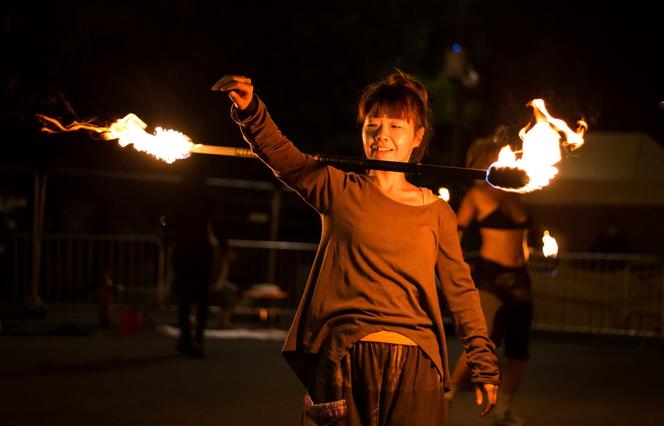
(550, 248)
(444, 193)
(456, 48)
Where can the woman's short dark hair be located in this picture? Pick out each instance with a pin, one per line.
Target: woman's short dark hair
(402, 96)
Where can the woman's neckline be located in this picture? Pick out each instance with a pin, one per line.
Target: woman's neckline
(387, 197)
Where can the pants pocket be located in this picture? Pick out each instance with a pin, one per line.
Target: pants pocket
(325, 413)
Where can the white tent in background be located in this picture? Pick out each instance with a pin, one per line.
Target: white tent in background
(613, 175)
(624, 169)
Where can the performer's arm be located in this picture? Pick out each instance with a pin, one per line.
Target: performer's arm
(466, 212)
(312, 180)
(463, 303)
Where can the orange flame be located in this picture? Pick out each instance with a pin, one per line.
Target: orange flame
(550, 247)
(541, 147)
(165, 144)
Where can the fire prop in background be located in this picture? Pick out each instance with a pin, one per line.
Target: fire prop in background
(444, 193)
(541, 149)
(550, 245)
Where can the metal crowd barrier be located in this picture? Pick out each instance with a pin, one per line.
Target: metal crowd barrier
(582, 292)
(73, 267)
(599, 293)
(15, 268)
(285, 264)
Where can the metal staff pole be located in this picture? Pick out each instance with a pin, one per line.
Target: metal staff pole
(362, 163)
(395, 166)
(506, 178)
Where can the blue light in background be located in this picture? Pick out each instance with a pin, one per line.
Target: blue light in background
(456, 48)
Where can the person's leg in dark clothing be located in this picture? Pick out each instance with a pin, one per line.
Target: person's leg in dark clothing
(185, 344)
(202, 306)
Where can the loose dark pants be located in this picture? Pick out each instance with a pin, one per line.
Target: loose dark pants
(376, 384)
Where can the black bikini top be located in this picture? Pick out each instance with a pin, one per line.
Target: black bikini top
(498, 219)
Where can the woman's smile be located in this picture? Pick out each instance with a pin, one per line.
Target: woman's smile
(389, 138)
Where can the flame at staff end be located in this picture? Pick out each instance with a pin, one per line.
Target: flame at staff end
(165, 144)
(540, 150)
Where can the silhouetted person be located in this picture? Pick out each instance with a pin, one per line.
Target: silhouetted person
(4, 254)
(611, 239)
(190, 225)
(223, 292)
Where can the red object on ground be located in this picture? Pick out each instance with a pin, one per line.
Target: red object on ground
(130, 322)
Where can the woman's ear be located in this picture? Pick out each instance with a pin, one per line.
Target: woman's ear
(419, 135)
(418, 147)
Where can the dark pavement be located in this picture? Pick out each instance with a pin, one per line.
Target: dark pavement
(70, 373)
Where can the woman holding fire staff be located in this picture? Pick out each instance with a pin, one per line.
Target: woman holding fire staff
(499, 273)
(367, 340)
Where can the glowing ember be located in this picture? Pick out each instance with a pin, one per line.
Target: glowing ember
(550, 248)
(541, 148)
(164, 144)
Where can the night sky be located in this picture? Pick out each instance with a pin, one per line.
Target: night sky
(309, 62)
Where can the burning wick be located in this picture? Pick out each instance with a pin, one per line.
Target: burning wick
(164, 144)
(550, 248)
(540, 152)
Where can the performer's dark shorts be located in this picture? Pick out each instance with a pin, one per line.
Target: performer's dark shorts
(512, 324)
(376, 383)
(512, 320)
(510, 285)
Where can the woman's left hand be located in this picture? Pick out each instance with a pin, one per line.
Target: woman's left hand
(239, 89)
(487, 393)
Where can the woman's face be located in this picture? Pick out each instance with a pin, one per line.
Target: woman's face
(390, 139)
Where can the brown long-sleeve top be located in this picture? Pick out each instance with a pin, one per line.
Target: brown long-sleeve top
(375, 266)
